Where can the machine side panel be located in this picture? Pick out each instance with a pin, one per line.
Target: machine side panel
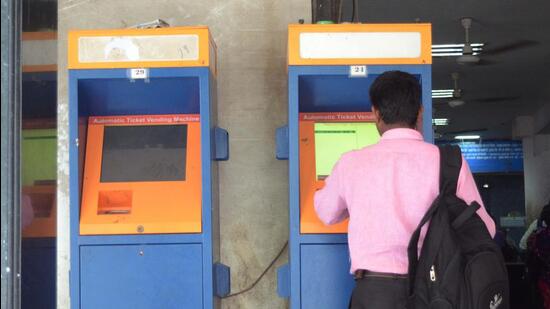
(294, 189)
(206, 167)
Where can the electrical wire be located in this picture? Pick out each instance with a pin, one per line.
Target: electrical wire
(340, 11)
(250, 287)
(355, 16)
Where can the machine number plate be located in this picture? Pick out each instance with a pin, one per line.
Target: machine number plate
(358, 71)
(139, 73)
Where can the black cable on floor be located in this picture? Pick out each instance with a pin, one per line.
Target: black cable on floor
(261, 275)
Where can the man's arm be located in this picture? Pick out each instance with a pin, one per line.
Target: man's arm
(467, 190)
(329, 203)
(525, 237)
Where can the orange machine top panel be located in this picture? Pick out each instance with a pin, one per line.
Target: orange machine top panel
(354, 44)
(309, 180)
(141, 48)
(142, 174)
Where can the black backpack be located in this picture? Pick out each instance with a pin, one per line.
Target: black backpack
(460, 266)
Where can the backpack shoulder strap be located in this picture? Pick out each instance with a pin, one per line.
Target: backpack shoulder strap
(450, 162)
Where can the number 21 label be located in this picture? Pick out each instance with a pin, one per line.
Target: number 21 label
(358, 71)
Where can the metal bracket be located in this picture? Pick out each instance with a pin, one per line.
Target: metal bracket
(281, 142)
(221, 144)
(222, 280)
(157, 23)
(283, 281)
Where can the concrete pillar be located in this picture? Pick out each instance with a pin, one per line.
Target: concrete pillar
(533, 131)
(251, 37)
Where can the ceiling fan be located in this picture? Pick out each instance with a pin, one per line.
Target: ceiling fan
(469, 57)
(457, 99)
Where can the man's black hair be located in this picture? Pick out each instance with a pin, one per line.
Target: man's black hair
(396, 95)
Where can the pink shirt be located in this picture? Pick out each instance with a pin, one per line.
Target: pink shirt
(385, 189)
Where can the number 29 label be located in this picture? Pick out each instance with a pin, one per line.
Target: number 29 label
(139, 73)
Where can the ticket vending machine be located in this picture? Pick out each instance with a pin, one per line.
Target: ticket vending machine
(330, 70)
(143, 172)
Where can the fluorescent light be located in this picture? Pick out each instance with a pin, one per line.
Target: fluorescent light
(440, 121)
(450, 50)
(450, 54)
(454, 50)
(464, 137)
(436, 46)
(442, 93)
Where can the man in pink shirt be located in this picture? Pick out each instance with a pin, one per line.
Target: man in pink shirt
(385, 190)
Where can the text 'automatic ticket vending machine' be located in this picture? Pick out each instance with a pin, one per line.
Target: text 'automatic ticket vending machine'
(143, 172)
(330, 70)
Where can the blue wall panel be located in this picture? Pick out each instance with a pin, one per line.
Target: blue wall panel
(120, 96)
(148, 276)
(335, 93)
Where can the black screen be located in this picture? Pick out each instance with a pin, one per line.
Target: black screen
(144, 153)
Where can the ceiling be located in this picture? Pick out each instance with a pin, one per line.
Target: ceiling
(523, 73)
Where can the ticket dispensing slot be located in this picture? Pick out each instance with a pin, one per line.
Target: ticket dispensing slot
(114, 202)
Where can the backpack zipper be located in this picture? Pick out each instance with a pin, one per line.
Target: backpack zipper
(432, 273)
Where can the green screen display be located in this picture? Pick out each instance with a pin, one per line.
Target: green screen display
(38, 156)
(334, 139)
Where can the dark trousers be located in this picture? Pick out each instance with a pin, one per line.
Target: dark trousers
(379, 293)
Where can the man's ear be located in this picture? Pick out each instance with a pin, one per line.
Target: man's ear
(420, 118)
(376, 113)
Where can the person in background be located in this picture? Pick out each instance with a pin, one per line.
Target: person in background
(536, 224)
(385, 190)
(538, 247)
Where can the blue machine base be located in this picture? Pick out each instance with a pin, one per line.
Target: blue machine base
(325, 267)
(325, 280)
(141, 276)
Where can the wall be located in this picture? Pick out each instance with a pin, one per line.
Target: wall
(537, 174)
(251, 40)
(532, 130)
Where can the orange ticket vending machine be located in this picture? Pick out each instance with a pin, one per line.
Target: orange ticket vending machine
(143, 169)
(330, 70)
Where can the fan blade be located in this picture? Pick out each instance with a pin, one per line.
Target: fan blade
(486, 62)
(508, 47)
(495, 99)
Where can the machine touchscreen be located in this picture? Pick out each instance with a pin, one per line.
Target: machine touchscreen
(144, 153)
(334, 139)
